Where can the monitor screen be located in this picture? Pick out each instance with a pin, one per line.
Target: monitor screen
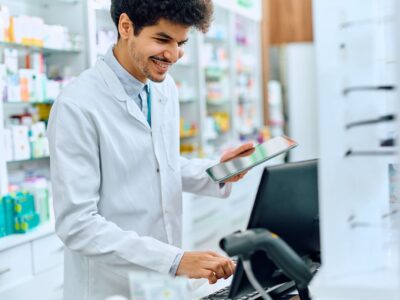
(286, 204)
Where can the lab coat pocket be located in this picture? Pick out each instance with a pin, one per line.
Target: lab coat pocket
(170, 136)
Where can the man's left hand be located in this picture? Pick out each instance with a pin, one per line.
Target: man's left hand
(242, 150)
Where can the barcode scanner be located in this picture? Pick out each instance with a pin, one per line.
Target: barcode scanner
(244, 244)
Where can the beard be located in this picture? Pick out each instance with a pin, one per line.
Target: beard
(143, 63)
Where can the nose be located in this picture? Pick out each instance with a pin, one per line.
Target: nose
(174, 53)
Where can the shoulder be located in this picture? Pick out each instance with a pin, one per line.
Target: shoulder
(83, 90)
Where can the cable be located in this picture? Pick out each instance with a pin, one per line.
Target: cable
(253, 280)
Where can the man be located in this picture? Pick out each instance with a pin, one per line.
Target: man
(117, 174)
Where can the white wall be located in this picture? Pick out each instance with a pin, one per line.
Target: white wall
(300, 83)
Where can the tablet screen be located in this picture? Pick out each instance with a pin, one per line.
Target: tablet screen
(247, 160)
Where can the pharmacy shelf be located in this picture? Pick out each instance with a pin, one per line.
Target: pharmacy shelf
(28, 160)
(218, 103)
(189, 101)
(18, 239)
(48, 2)
(186, 137)
(44, 50)
(11, 103)
(211, 39)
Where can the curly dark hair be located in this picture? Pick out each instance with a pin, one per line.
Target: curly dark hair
(143, 13)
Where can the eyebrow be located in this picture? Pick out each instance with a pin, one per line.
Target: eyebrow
(166, 36)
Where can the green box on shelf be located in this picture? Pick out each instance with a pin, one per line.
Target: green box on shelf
(2, 218)
(24, 203)
(8, 205)
(41, 197)
(26, 222)
(245, 3)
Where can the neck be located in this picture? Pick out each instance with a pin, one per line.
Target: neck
(122, 56)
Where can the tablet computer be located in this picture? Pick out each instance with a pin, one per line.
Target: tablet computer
(250, 158)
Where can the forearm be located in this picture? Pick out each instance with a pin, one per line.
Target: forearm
(195, 179)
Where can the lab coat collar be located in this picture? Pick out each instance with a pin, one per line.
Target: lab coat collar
(115, 86)
(112, 81)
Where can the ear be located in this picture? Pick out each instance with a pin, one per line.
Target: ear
(125, 26)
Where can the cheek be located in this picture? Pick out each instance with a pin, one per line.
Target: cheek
(155, 50)
(133, 51)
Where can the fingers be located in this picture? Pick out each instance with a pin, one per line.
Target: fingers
(222, 267)
(209, 265)
(242, 150)
(229, 268)
(212, 279)
(237, 177)
(244, 147)
(219, 271)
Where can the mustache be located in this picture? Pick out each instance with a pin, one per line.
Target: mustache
(161, 59)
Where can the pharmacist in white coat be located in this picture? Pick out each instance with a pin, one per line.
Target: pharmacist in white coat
(117, 175)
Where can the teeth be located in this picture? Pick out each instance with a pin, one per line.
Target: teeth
(163, 65)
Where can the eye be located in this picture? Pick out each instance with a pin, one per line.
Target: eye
(182, 44)
(162, 41)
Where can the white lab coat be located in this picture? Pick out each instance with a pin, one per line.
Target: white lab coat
(117, 183)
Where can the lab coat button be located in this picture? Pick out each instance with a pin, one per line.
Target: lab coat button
(158, 170)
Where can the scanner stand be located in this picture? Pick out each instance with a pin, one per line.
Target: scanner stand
(304, 293)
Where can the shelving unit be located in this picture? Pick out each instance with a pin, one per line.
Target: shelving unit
(73, 61)
(44, 50)
(20, 239)
(33, 262)
(101, 31)
(24, 103)
(230, 47)
(27, 160)
(217, 59)
(248, 119)
(358, 48)
(187, 80)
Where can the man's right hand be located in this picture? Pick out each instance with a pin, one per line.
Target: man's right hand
(207, 264)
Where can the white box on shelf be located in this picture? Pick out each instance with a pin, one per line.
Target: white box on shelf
(4, 22)
(8, 144)
(11, 60)
(38, 130)
(21, 147)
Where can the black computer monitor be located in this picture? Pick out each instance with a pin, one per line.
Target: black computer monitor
(286, 204)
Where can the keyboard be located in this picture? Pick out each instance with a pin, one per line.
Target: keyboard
(276, 290)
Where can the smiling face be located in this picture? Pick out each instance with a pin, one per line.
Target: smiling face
(151, 53)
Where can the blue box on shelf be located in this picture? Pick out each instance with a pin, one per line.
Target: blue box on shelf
(2, 219)
(8, 205)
